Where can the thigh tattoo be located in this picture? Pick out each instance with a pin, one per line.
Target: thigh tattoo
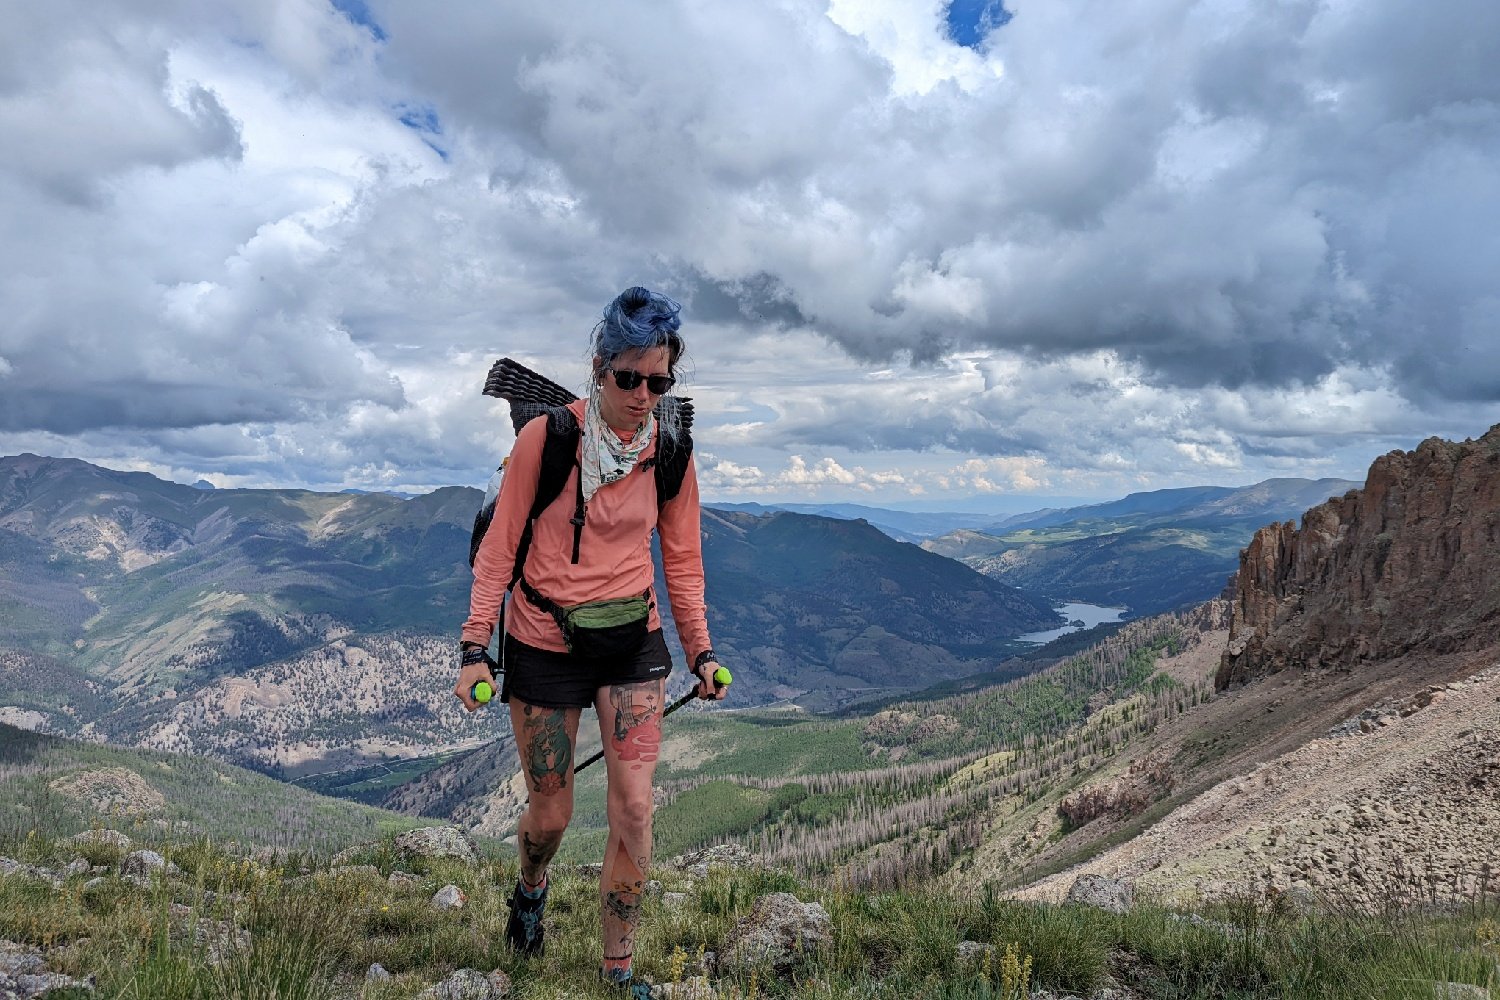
(638, 707)
(549, 752)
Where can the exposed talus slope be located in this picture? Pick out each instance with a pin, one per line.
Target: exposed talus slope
(1410, 563)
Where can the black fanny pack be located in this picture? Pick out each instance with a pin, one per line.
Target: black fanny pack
(598, 629)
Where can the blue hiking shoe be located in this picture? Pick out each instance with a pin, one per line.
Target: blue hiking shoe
(524, 931)
(630, 986)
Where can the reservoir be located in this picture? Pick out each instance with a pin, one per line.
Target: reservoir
(1089, 614)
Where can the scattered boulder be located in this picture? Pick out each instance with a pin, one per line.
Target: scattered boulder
(140, 864)
(376, 973)
(779, 932)
(449, 897)
(24, 974)
(696, 988)
(439, 842)
(592, 870)
(974, 951)
(78, 866)
(672, 900)
(354, 871)
(1459, 991)
(470, 984)
(1102, 892)
(404, 880)
(697, 863)
(104, 838)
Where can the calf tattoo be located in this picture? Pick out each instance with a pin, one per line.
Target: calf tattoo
(622, 901)
(539, 851)
(638, 712)
(549, 752)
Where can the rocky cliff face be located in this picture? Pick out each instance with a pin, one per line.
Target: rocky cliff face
(1409, 564)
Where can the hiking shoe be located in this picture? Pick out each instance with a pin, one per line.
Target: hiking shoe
(631, 987)
(524, 930)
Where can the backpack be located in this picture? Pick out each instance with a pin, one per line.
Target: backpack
(532, 395)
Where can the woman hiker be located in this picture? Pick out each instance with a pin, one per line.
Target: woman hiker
(612, 655)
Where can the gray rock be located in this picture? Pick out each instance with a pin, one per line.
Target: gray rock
(354, 871)
(108, 838)
(593, 870)
(449, 897)
(30, 986)
(24, 974)
(673, 900)
(695, 988)
(653, 889)
(1459, 991)
(78, 866)
(140, 864)
(19, 960)
(779, 932)
(974, 951)
(439, 842)
(376, 973)
(1104, 893)
(469, 984)
(697, 863)
(405, 880)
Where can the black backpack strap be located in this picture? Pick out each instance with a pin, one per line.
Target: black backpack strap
(671, 465)
(559, 455)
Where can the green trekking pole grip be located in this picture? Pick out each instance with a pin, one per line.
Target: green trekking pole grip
(483, 691)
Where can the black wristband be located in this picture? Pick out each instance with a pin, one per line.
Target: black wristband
(707, 656)
(473, 653)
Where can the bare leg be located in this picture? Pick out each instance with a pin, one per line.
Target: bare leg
(545, 738)
(630, 723)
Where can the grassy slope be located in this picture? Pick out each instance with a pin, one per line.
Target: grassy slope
(313, 938)
(203, 798)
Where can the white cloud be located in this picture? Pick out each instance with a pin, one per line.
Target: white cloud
(1169, 241)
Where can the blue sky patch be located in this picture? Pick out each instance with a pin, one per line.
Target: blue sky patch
(969, 21)
(423, 119)
(358, 11)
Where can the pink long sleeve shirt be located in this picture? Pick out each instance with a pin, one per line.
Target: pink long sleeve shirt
(614, 553)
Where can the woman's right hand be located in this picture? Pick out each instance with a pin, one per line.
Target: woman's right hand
(476, 669)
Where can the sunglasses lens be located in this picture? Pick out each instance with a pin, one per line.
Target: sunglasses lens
(657, 385)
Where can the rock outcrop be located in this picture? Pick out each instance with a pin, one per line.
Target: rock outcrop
(1408, 564)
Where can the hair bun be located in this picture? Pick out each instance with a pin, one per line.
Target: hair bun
(639, 317)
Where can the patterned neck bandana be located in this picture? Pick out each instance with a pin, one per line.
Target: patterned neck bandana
(607, 459)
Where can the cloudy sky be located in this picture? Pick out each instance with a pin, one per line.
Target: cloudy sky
(927, 251)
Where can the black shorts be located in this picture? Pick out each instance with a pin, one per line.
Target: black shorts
(549, 679)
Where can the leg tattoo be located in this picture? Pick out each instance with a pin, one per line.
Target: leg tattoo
(549, 752)
(638, 713)
(536, 853)
(622, 902)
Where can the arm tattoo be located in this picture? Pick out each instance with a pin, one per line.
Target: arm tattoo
(549, 752)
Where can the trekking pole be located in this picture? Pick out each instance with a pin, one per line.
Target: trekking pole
(722, 678)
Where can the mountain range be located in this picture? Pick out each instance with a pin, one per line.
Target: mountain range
(1149, 552)
(293, 629)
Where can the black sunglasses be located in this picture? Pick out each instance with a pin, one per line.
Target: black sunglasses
(627, 380)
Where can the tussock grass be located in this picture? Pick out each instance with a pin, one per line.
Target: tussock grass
(316, 929)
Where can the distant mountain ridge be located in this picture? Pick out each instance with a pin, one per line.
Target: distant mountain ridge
(223, 620)
(1150, 552)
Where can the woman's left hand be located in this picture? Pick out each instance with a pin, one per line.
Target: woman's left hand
(707, 689)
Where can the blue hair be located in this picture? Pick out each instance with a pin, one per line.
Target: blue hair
(638, 318)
